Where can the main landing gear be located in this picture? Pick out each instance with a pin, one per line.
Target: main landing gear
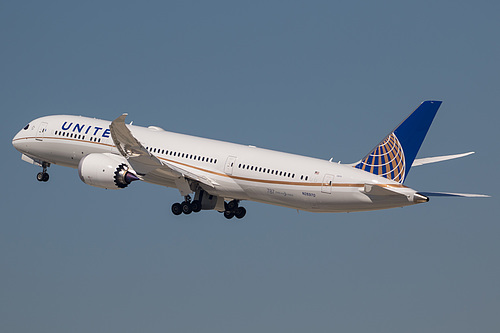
(232, 208)
(43, 176)
(187, 206)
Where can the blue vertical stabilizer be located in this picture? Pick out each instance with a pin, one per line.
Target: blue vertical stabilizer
(392, 158)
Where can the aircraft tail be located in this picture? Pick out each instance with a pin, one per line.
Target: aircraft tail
(393, 157)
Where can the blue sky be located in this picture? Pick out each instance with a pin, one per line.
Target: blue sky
(316, 78)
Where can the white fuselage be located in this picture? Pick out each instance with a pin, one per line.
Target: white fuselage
(239, 172)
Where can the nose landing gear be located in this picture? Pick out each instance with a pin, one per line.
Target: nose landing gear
(43, 176)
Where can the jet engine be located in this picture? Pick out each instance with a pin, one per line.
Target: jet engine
(107, 171)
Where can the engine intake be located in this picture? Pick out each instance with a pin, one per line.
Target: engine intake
(107, 171)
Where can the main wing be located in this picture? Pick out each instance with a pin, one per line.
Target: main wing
(148, 166)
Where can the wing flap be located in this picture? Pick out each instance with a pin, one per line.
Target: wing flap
(191, 175)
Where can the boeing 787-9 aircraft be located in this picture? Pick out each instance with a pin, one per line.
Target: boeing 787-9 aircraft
(218, 175)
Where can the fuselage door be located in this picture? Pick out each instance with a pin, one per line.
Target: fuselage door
(41, 131)
(326, 187)
(228, 169)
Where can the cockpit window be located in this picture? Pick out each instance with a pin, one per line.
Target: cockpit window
(26, 127)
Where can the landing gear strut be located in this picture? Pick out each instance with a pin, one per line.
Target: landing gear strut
(43, 176)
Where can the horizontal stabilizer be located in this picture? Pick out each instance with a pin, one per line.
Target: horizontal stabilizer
(459, 195)
(428, 160)
(375, 189)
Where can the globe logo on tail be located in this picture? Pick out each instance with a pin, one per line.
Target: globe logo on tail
(386, 160)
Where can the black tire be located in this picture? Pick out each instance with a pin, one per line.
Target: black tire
(228, 214)
(232, 205)
(39, 177)
(186, 208)
(240, 212)
(45, 177)
(196, 206)
(177, 209)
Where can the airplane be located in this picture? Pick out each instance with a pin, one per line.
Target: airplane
(218, 175)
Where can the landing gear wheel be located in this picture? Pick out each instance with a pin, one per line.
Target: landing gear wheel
(232, 205)
(196, 206)
(42, 177)
(177, 209)
(186, 208)
(240, 212)
(228, 214)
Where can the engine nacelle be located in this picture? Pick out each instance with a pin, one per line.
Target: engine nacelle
(106, 171)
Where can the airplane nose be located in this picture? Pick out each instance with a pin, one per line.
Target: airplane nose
(17, 141)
